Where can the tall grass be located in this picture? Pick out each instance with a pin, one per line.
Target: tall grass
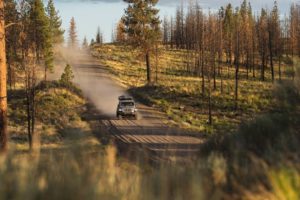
(259, 161)
(79, 174)
(176, 88)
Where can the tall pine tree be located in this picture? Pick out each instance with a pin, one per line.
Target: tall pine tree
(99, 36)
(3, 91)
(120, 34)
(57, 33)
(12, 32)
(72, 42)
(40, 36)
(39, 28)
(142, 25)
(85, 44)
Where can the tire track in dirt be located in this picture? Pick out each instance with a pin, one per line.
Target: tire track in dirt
(150, 134)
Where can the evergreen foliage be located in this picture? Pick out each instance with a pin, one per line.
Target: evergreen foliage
(72, 42)
(55, 22)
(67, 76)
(120, 32)
(142, 26)
(85, 44)
(40, 35)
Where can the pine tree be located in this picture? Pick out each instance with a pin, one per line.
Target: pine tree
(55, 22)
(263, 38)
(12, 32)
(166, 35)
(113, 36)
(99, 37)
(179, 32)
(142, 26)
(40, 35)
(3, 90)
(295, 29)
(237, 52)
(274, 35)
(39, 28)
(120, 32)
(67, 76)
(228, 32)
(72, 42)
(39, 42)
(85, 44)
(92, 42)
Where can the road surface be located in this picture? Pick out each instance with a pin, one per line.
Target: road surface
(149, 134)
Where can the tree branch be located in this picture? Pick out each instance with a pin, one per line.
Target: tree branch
(11, 24)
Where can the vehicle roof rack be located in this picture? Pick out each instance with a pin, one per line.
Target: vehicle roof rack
(125, 98)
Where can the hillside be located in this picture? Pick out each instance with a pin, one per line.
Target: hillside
(178, 93)
(58, 118)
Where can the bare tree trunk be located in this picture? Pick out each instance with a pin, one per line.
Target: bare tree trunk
(45, 75)
(156, 63)
(35, 137)
(263, 68)
(3, 89)
(271, 54)
(237, 63)
(214, 66)
(209, 103)
(253, 63)
(247, 65)
(28, 116)
(148, 65)
(202, 59)
(9, 68)
(220, 54)
(209, 97)
(221, 77)
(202, 71)
(279, 67)
(236, 84)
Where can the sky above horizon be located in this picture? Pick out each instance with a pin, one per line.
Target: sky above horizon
(91, 14)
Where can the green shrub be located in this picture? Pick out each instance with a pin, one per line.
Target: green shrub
(67, 76)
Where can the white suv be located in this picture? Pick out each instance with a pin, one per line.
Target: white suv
(126, 107)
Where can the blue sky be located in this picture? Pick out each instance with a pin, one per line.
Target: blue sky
(89, 14)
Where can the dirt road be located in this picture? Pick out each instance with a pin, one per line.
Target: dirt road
(150, 133)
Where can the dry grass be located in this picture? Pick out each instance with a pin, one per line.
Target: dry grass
(260, 161)
(177, 89)
(58, 117)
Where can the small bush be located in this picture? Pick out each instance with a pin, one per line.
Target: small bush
(67, 76)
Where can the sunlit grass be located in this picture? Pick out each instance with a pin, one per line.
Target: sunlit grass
(259, 161)
(58, 117)
(177, 88)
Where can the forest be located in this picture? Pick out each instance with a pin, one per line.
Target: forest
(222, 84)
(234, 55)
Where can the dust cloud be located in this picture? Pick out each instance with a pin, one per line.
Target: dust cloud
(92, 79)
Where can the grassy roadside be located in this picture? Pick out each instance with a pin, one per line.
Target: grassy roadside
(259, 161)
(257, 157)
(58, 117)
(179, 94)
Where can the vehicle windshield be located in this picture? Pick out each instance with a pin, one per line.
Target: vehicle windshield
(126, 104)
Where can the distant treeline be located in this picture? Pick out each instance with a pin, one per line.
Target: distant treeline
(235, 35)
